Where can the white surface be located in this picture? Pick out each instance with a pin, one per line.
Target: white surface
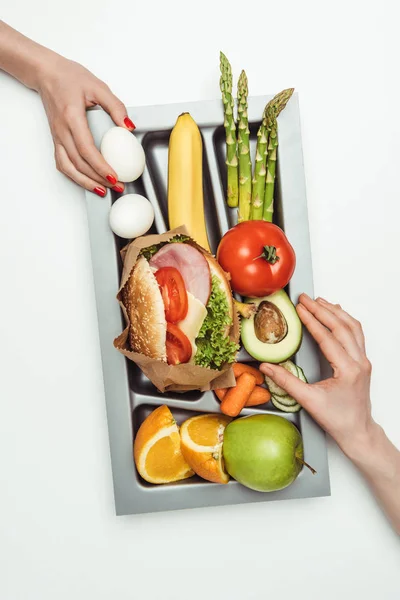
(59, 538)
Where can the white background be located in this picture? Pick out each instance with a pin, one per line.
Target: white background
(59, 538)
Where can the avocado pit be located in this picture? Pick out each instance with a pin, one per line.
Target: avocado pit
(270, 325)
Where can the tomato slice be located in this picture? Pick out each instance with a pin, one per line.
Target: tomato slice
(179, 348)
(174, 293)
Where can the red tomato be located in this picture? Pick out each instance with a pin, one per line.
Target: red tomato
(258, 257)
(174, 293)
(179, 348)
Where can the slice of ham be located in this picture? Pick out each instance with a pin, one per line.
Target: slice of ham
(190, 263)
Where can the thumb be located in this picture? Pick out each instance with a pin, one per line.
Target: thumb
(296, 388)
(114, 107)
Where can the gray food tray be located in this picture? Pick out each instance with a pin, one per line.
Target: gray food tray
(129, 395)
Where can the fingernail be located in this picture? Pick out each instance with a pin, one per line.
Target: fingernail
(266, 369)
(130, 124)
(100, 191)
(306, 296)
(111, 179)
(118, 188)
(322, 300)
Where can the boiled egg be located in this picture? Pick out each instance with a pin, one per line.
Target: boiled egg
(124, 153)
(131, 216)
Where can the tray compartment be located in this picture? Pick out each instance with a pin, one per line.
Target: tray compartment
(155, 145)
(139, 384)
(142, 411)
(129, 395)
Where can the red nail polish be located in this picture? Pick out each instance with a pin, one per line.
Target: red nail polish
(130, 124)
(111, 179)
(100, 191)
(118, 188)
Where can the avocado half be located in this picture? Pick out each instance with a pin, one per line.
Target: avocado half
(288, 346)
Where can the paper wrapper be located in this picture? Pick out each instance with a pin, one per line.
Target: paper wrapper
(177, 378)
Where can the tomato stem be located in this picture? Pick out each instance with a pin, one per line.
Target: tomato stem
(269, 254)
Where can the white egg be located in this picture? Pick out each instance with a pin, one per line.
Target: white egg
(123, 153)
(131, 216)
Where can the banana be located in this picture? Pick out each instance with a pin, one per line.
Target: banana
(185, 179)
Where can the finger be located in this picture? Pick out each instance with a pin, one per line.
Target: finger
(337, 326)
(82, 166)
(330, 347)
(114, 107)
(354, 325)
(84, 143)
(300, 391)
(64, 165)
(67, 141)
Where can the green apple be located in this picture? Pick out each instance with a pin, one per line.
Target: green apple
(263, 452)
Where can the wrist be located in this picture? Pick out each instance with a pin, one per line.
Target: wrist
(359, 449)
(47, 65)
(375, 457)
(23, 58)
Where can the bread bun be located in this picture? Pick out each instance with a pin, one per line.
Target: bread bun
(145, 307)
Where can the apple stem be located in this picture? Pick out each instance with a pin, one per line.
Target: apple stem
(303, 462)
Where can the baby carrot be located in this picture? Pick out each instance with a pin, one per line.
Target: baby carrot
(236, 397)
(258, 396)
(239, 368)
(220, 393)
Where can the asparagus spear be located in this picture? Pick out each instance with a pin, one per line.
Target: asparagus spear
(279, 101)
(273, 110)
(244, 151)
(230, 131)
(274, 106)
(257, 196)
(268, 207)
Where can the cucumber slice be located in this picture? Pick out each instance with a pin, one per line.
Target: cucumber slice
(288, 409)
(278, 393)
(302, 377)
(286, 400)
(273, 388)
(290, 366)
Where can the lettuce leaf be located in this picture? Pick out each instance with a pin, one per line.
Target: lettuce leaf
(214, 349)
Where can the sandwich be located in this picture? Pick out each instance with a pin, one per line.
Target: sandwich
(180, 306)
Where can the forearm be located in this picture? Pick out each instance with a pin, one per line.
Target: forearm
(379, 462)
(23, 58)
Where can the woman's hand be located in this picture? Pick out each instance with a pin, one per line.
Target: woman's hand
(341, 404)
(67, 89)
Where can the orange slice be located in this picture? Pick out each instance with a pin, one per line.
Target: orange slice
(201, 444)
(157, 449)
